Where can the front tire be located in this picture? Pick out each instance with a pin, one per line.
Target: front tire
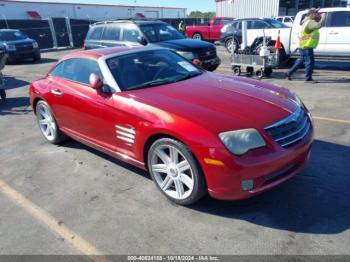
(37, 58)
(175, 171)
(3, 94)
(47, 123)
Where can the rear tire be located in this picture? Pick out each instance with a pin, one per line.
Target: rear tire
(197, 36)
(48, 124)
(175, 171)
(231, 45)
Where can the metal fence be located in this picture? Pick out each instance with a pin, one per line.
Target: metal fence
(64, 32)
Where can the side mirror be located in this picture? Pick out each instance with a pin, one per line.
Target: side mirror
(141, 40)
(95, 82)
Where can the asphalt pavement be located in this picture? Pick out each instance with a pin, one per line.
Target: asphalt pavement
(71, 199)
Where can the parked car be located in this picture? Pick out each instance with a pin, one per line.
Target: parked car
(19, 46)
(231, 34)
(334, 40)
(210, 32)
(134, 33)
(193, 130)
(287, 20)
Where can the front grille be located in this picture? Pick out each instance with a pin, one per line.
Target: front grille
(24, 47)
(291, 129)
(207, 54)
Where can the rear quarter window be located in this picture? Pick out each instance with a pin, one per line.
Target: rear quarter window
(77, 70)
(95, 33)
(339, 19)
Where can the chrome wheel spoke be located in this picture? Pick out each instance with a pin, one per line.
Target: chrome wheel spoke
(43, 122)
(174, 155)
(186, 180)
(179, 188)
(183, 166)
(159, 168)
(166, 183)
(163, 156)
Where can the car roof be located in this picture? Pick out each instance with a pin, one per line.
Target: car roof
(9, 30)
(106, 52)
(131, 21)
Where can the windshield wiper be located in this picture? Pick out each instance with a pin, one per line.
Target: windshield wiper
(159, 82)
(152, 83)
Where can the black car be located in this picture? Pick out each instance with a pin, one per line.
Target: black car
(231, 34)
(136, 32)
(18, 45)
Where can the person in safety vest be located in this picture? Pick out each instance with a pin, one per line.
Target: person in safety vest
(309, 38)
(182, 27)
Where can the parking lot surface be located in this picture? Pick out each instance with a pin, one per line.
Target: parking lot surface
(71, 199)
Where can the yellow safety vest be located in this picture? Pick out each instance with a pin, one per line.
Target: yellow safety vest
(182, 27)
(309, 39)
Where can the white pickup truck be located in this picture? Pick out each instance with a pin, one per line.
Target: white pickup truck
(334, 39)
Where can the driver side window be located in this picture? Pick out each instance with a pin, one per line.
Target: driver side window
(77, 70)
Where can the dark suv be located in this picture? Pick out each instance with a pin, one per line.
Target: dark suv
(231, 34)
(18, 45)
(136, 32)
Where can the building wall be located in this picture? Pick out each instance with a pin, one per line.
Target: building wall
(18, 10)
(247, 8)
(270, 8)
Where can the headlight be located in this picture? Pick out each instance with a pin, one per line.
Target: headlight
(35, 45)
(298, 101)
(241, 141)
(224, 29)
(188, 55)
(10, 47)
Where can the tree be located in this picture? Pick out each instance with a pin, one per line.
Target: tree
(199, 14)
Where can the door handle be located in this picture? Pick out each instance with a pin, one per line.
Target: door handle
(333, 33)
(56, 92)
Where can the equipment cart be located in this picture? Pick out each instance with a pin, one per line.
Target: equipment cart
(260, 65)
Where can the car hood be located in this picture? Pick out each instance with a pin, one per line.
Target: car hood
(185, 44)
(23, 41)
(222, 103)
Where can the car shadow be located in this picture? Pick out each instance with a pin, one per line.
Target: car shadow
(12, 82)
(15, 106)
(299, 77)
(70, 143)
(316, 201)
(31, 62)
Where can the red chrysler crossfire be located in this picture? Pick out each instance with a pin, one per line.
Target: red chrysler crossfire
(196, 132)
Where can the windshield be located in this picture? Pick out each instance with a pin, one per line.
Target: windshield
(275, 23)
(12, 36)
(150, 68)
(160, 32)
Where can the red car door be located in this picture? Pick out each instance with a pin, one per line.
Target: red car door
(215, 29)
(81, 110)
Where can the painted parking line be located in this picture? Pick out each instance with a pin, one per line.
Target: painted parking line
(331, 119)
(53, 224)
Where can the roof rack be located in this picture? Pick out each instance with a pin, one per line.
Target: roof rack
(125, 21)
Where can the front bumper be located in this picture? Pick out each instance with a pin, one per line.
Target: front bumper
(19, 55)
(211, 64)
(266, 167)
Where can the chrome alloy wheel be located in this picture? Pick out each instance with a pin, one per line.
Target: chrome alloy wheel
(46, 122)
(172, 172)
